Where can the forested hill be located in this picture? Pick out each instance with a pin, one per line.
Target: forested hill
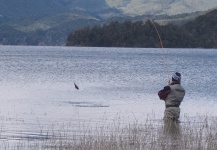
(199, 33)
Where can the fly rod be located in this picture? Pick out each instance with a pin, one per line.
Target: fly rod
(163, 52)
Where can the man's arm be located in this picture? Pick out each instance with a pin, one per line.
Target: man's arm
(164, 93)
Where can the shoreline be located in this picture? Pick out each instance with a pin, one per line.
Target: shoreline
(119, 134)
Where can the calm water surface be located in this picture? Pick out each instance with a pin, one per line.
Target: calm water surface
(37, 85)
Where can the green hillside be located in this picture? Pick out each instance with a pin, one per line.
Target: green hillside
(46, 31)
(203, 30)
(48, 22)
(30, 8)
(39, 8)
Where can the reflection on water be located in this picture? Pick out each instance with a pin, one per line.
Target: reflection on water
(86, 104)
(37, 86)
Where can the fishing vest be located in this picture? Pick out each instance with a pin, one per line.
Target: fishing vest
(176, 95)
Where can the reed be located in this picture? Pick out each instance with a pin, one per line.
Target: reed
(151, 135)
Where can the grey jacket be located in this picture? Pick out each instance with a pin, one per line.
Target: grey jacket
(172, 94)
(176, 96)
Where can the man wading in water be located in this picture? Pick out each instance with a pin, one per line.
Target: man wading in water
(173, 95)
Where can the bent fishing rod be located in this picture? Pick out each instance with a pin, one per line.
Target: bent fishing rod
(163, 52)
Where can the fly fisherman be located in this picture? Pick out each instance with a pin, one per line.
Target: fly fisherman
(173, 95)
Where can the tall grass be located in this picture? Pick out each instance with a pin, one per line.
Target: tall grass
(150, 135)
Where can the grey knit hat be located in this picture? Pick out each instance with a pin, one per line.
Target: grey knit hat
(176, 76)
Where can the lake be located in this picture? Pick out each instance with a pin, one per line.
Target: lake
(37, 85)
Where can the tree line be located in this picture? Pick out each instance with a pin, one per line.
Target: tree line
(199, 33)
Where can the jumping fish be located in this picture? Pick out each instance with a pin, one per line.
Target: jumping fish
(76, 86)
